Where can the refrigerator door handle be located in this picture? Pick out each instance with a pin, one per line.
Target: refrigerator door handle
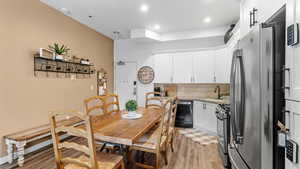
(232, 95)
(240, 118)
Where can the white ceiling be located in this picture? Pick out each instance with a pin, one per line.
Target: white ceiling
(171, 15)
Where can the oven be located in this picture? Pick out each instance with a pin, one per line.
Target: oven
(184, 114)
(223, 131)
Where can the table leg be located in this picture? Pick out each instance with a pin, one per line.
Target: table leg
(21, 152)
(124, 151)
(10, 150)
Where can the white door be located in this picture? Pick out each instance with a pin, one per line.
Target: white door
(293, 123)
(204, 65)
(163, 68)
(183, 68)
(223, 60)
(126, 78)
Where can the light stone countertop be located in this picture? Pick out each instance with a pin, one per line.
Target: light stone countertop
(209, 100)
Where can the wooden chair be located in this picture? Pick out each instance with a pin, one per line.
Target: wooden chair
(90, 159)
(98, 105)
(95, 105)
(172, 131)
(153, 101)
(112, 103)
(155, 141)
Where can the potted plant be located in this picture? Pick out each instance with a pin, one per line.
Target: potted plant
(59, 50)
(131, 106)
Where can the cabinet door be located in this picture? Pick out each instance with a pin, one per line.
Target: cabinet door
(163, 68)
(211, 118)
(223, 65)
(204, 65)
(292, 74)
(245, 8)
(183, 68)
(197, 110)
(293, 122)
(205, 116)
(267, 10)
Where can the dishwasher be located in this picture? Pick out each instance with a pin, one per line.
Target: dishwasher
(184, 115)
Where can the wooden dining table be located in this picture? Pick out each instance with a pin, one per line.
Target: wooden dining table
(113, 128)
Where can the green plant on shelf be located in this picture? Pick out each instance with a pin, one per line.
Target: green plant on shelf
(131, 105)
(59, 50)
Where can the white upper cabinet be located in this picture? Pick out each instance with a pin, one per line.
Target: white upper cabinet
(254, 12)
(248, 16)
(183, 68)
(163, 68)
(268, 8)
(223, 65)
(204, 67)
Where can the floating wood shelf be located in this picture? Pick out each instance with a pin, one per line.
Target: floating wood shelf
(42, 64)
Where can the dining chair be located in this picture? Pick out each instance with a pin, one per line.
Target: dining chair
(155, 141)
(112, 103)
(172, 130)
(90, 159)
(153, 101)
(95, 105)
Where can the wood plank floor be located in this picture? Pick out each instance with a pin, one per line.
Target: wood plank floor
(188, 155)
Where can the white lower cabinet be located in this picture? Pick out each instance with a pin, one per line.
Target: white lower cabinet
(204, 116)
(292, 119)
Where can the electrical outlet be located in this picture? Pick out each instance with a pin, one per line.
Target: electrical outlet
(73, 77)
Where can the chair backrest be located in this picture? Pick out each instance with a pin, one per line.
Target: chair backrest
(58, 146)
(112, 103)
(173, 112)
(165, 120)
(95, 105)
(153, 101)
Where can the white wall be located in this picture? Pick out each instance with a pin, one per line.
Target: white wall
(142, 52)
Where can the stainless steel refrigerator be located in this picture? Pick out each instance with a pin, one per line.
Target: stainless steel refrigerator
(251, 145)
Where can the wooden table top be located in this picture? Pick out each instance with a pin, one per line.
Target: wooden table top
(113, 128)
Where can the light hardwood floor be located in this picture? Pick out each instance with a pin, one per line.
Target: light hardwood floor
(188, 155)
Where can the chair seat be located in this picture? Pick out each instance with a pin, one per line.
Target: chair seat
(150, 140)
(105, 161)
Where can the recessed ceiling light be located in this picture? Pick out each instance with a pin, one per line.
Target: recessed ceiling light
(156, 27)
(144, 8)
(207, 20)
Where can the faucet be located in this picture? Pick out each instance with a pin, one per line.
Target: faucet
(218, 90)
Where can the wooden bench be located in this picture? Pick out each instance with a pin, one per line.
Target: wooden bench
(19, 139)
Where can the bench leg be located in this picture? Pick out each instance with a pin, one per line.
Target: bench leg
(21, 152)
(10, 150)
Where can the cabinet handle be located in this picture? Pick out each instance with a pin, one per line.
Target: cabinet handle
(284, 70)
(254, 18)
(251, 14)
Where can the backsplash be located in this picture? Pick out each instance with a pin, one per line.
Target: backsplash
(194, 90)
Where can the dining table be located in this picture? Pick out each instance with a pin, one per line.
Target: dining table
(113, 128)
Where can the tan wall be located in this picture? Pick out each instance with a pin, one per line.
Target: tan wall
(25, 26)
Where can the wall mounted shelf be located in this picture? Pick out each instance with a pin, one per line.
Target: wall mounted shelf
(42, 64)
